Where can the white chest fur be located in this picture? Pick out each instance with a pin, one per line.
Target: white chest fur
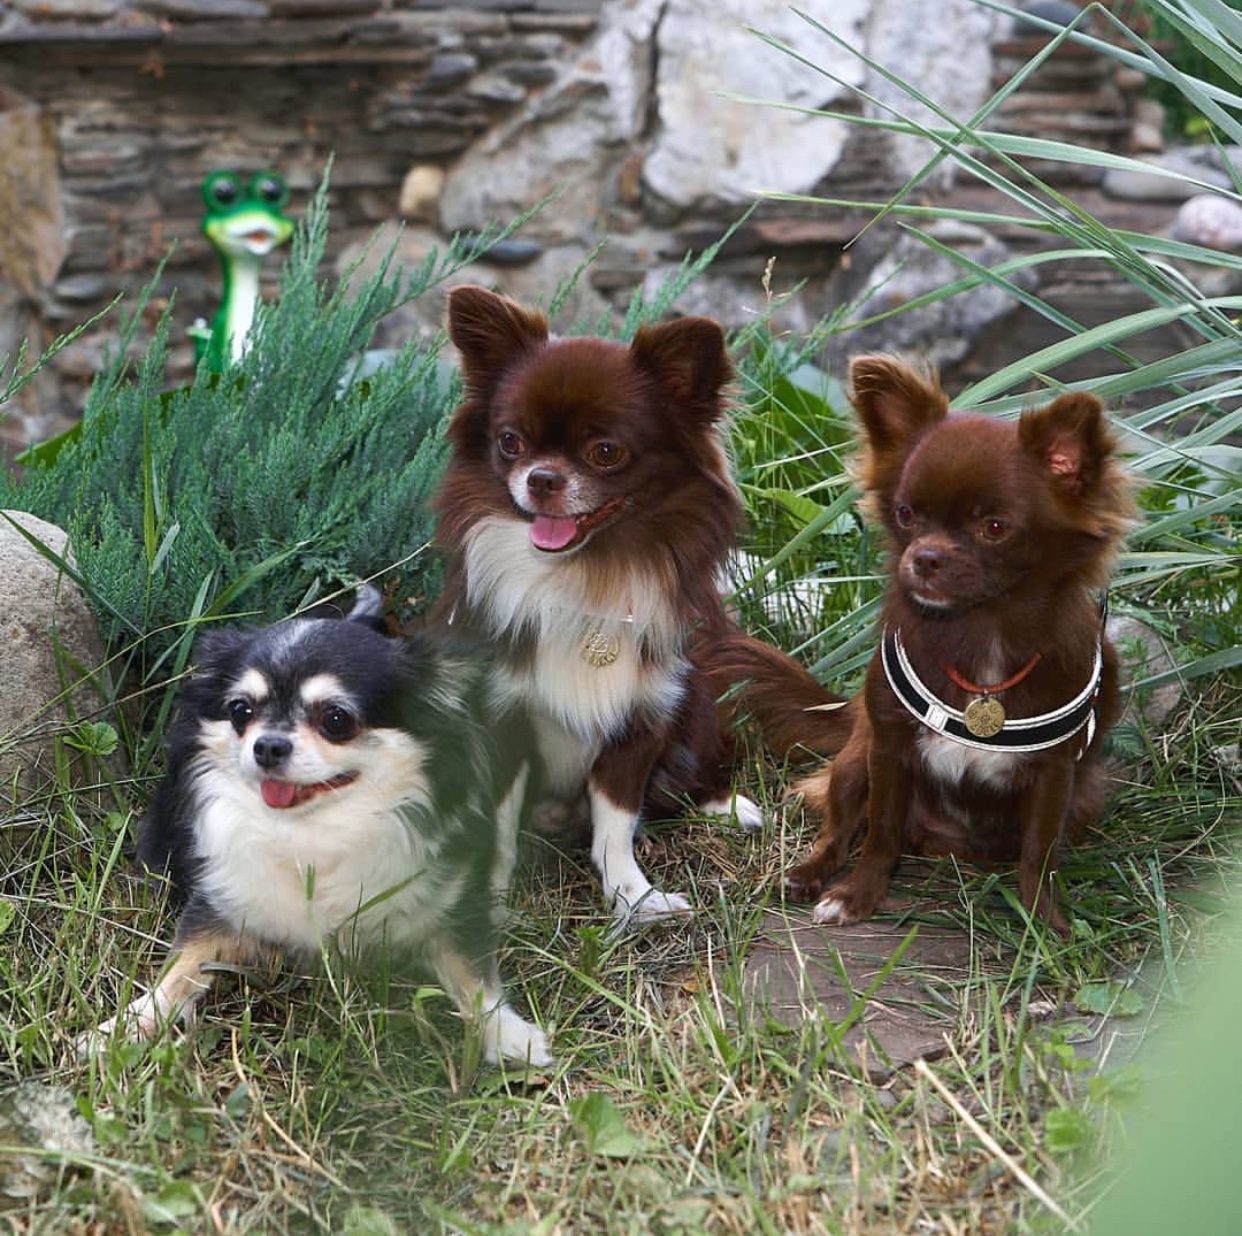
(346, 865)
(519, 590)
(950, 762)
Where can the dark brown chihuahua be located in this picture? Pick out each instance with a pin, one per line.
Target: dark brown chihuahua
(977, 731)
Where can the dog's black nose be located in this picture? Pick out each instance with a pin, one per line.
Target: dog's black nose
(928, 561)
(544, 481)
(271, 750)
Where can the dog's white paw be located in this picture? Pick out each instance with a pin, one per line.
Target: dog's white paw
(737, 807)
(649, 905)
(828, 911)
(832, 909)
(92, 1043)
(137, 1023)
(510, 1038)
(627, 891)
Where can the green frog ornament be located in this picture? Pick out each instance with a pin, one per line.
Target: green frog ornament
(244, 224)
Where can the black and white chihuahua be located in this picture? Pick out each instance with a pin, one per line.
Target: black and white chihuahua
(331, 786)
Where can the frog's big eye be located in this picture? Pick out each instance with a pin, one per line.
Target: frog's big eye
(269, 189)
(222, 189)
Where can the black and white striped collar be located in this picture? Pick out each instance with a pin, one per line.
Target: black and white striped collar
(1022, 734)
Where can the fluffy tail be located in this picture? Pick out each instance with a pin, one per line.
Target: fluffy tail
(793, 710)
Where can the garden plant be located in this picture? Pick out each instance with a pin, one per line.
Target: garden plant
(679, 1104)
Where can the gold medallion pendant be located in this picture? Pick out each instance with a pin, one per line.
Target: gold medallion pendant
(600, 648)
(984, 717)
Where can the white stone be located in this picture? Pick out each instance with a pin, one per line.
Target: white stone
(1175, 176)
(420, 193)
(1211, 221)
(710, 147)
(945, 52)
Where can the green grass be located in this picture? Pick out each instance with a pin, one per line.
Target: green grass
(680, 1104)
(335, 1103)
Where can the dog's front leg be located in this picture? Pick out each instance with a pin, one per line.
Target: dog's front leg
(859, 894)
(1042, 819)
(617, 785)
(479, 997)
(837, 794)
(187, 977)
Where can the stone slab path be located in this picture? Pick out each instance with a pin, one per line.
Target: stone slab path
(892, 1011)
(896, 991)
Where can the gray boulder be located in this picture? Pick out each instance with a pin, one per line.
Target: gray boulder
(1210, 220)
(52, 670)
(942, 331)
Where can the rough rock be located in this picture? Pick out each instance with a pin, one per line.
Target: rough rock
(943, 331)
(38, 1123)
(564, 144)
(1174, 176)
(31, 254)
(798, 970)
(51, 664)
(950, 59)
(557, 266)
(710, 148)
(1144, 656)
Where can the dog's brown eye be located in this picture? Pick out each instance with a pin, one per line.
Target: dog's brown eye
(510, 443)
(241, 713)
(606, 455)
(993, 529)
(337, 724)
(904, 515)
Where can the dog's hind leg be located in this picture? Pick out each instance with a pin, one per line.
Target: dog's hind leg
(1042, 820)
(738, 807)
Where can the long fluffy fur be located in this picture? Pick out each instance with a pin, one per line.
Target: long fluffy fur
(998, 537)
(405, 840)
(657, 519)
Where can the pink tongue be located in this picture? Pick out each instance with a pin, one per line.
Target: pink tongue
(279, 793)
(553, 532)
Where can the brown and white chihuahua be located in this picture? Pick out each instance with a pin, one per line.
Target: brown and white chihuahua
(977, 731)
(586, 513)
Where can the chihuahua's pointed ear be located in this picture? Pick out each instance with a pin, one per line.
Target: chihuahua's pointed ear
(217, 659)
(1069, 440)
(894, 402)
(368, 608)
(491, 332)
(1071, 443)
(690, 359)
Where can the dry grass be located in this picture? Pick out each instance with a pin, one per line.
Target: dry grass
(339, 1104)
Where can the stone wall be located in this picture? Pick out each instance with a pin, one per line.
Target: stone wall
(116, 111)
(448, 117)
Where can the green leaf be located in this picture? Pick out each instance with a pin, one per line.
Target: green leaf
(1109, 1000)
(368, 1221)
(178, 1199)
(1066, 1131)
(93, 737)
(804, 510)
(237, 1103)
(603, 1128)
